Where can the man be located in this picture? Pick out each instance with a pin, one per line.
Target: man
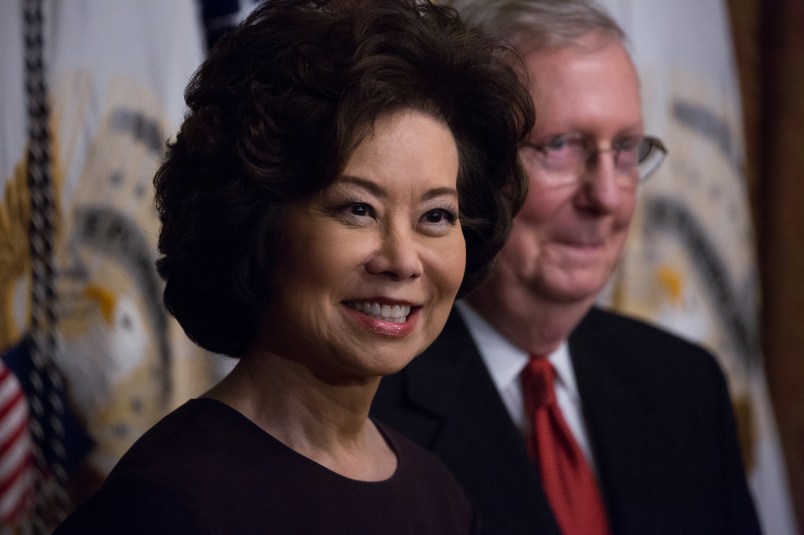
(648, 415)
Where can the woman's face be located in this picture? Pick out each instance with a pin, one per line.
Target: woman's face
(371, 265)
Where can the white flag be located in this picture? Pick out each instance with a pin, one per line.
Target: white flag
(690, 263)
(116, 72)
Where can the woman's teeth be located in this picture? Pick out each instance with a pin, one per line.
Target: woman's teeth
(392, 313)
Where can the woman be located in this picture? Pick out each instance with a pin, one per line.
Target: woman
(344, 170)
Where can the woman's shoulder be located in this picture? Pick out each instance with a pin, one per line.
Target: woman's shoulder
(174, 478)
(142, 494)
(134, 504)
(199, 427)
(424, 479)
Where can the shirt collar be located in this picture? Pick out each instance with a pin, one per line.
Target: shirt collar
(505, 361)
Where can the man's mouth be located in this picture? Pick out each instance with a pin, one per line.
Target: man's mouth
(391, 313)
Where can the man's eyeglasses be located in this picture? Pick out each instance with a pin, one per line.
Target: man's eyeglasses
(563, 158)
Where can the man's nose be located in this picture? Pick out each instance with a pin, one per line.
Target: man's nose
(602, 183)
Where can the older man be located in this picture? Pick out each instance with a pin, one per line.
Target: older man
(555, 415)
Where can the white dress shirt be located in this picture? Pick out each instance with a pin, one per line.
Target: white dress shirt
(505, 363)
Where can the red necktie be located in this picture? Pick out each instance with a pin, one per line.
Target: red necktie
(568, 480)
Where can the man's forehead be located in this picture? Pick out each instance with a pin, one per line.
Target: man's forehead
(576, 88)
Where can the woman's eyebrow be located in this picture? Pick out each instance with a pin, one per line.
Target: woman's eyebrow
(380, 191)
(364, 183)
(438, 192)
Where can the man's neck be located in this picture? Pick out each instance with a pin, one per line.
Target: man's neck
(534, 325)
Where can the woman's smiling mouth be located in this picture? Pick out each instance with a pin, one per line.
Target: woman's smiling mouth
(385, 312)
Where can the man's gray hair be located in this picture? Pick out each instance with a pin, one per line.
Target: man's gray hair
(536, 24)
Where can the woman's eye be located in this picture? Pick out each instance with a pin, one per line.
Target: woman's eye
(355, 213)
(438, 221)
(360, 210)
(435, 216)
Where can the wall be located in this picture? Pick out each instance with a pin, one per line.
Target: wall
(769, 40)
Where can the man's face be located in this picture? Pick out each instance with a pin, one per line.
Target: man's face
(568, 238)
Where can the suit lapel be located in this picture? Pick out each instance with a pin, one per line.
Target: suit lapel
(451, 382)
(613, 407)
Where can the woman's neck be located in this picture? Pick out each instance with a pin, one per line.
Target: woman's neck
(325, 422)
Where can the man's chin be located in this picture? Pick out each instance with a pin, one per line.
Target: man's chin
(575, 290)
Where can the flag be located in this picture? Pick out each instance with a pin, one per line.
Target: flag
(16, 453)
(690, 263)
(116, 72)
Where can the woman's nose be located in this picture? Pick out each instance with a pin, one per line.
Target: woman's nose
(396, 256)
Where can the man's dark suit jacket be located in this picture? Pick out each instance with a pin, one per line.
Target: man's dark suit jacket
(657, 411)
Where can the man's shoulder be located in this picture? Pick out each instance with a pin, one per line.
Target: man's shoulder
(628, 338)
(604, 324)
(417, 397)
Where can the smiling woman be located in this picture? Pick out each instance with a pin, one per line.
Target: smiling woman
(371, 265)
(345, 170)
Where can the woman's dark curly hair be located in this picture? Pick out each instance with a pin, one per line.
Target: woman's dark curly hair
(275, 112)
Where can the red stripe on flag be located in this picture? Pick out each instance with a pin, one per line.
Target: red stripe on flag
(16, 485)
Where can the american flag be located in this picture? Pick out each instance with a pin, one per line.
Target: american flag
(16, 457)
